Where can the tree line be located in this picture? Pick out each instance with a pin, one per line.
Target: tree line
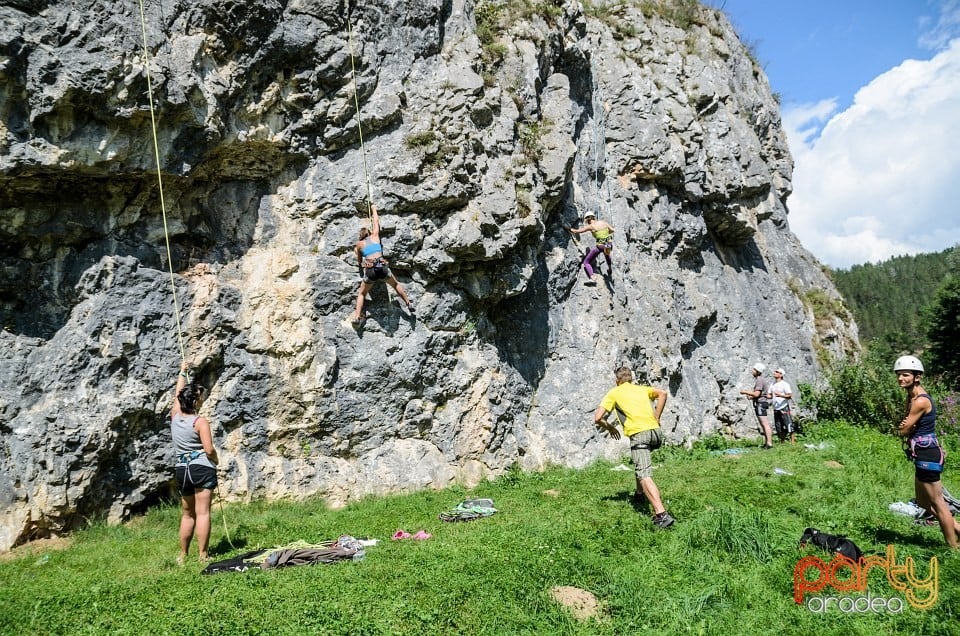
(908, 304)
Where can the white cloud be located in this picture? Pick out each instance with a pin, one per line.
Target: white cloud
(881, 178)
(939, 31)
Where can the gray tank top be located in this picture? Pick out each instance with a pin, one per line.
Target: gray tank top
(187, 447)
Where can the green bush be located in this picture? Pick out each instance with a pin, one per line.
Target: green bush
(864, 393)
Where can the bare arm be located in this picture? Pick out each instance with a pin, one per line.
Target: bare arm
(918, 408)
(181, 382)
(661, 402)
(580, 230)
(600, 421)
(202, 427)
(375, 228)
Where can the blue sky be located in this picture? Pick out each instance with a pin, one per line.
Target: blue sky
(870, 98)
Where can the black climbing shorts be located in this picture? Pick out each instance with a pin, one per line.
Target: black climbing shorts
(931, 454)
(194, 477)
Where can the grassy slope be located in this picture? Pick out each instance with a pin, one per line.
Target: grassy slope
(727, 567)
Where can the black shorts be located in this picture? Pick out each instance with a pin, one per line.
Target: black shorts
(760, 408)
(783, 422)
(194, 477)
(373, 274)
(933, 455)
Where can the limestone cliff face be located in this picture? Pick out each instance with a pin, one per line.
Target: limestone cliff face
(487, 129)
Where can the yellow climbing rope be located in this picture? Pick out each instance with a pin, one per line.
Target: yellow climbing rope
(163, 206)
(166, 232)
(356, 102)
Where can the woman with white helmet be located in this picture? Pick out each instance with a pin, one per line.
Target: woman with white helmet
(603, 234)
(922, 446)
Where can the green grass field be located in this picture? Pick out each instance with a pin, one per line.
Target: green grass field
(725, 568)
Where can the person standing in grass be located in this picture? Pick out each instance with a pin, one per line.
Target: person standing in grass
(196, 468)
(922, 447)
(782, 418)
(760, 396)
(641, 424)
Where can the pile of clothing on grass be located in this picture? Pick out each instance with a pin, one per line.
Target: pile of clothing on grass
(346, 548)
(920, 515)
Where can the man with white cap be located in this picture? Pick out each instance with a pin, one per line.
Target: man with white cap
(760, 395)
(782, 419)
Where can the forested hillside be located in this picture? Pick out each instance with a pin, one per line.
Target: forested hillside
(888, 298)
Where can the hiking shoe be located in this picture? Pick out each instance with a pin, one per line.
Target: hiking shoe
(767, 446)
(663, 520)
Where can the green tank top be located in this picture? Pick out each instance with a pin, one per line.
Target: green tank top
(601, 235)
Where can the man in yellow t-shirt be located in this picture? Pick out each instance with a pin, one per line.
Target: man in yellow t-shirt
(641, 423)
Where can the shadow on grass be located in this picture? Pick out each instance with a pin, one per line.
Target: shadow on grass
(640, 505)
(223, 546)
(886, 536)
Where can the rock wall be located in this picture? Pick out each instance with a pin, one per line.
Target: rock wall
(484, 131)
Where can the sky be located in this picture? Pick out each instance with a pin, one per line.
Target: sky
(870, 101)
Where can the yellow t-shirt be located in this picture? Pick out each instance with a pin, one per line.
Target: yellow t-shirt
(633, 401)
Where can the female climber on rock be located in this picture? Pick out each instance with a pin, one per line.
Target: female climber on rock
(373, 266)
(603, 234)
(196, 468)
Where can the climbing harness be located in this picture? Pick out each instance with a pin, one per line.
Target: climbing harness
(163, 210)
(924, 442)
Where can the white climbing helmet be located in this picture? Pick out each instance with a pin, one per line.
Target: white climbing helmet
(908, 363)
(759, 367)
(589, 215)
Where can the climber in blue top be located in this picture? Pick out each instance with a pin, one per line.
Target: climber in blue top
(373, 266)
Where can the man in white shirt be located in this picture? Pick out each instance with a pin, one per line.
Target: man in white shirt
(782, 420)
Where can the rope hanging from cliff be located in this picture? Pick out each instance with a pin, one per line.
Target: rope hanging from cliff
(363, 151)
(599, 149)
(356, 102)
(166, 231)
(156, 154)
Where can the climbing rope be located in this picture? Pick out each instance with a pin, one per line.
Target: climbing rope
(599, 150)
(363, 151)
(156, 154)
(356, 102)
(166, 232)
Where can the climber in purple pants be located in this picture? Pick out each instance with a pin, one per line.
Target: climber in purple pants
(603, 234)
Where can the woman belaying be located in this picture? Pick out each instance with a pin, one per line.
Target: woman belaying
(196, 468)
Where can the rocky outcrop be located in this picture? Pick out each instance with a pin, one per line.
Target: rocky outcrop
(484, 130)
